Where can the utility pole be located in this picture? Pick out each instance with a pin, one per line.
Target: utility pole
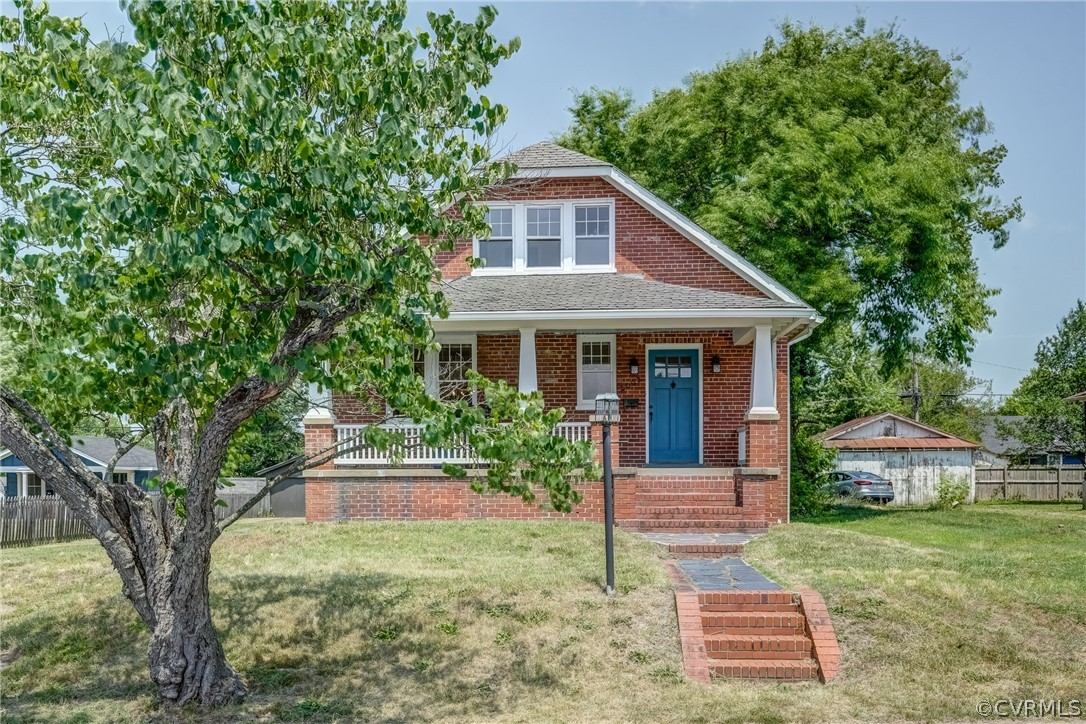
(915, 394)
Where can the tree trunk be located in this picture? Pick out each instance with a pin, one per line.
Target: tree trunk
(186, 659)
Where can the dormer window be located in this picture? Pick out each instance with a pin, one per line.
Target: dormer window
(542, 238)
(497, 251)
(592, 235)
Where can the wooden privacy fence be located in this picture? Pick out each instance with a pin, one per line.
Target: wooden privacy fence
(1030, 483)
(31, 521)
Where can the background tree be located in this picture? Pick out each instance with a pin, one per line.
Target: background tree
(196, 221)
(1059, 371)
(842, 162)
(273, 435)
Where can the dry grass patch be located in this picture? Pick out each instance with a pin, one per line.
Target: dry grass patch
(480, 621)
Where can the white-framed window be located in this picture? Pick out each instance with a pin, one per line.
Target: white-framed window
(592, 235)
(543, 237)
(120, 478)
(34, 486)
(595, 368)
(444, 371)
(548, 237)
(497, 251)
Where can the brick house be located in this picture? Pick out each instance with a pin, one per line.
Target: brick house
(591, 285)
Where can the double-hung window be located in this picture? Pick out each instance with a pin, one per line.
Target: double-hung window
(34, 486)
(544, 237)
(445, 371)
(548, 237)
(595, 368)
(592, 235)
(497, 251)
(454, 359)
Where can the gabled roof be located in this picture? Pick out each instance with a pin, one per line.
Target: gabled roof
(550, 155)
(99, 450)
(573, 292)
(549, 160)
(938, 440)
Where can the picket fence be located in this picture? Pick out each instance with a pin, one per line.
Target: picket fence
(33, 521)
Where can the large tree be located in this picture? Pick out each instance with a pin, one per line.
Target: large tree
(1059, 371)
(197, 220)
(842, 162)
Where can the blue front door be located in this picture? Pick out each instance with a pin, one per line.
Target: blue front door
(674, 402)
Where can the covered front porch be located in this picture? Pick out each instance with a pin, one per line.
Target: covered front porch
(708, 398)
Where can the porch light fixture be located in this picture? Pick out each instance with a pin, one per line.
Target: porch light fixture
(633, 366)
(607, 415)
(716, 363)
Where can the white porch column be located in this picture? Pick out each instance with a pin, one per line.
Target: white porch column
(763, 402)
(527, 380)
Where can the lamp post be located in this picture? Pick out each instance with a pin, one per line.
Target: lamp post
(607, 415)
(1080, 397)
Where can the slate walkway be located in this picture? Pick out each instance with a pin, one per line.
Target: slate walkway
(724, 574)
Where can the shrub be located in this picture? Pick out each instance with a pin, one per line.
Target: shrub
(951, 491)
(810, 463)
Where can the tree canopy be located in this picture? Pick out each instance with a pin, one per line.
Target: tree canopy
(196, 221)
(842, 162)
(1059, 371)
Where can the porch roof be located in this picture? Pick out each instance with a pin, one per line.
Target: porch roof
(592, 292)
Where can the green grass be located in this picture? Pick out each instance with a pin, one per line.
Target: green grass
(488, 620)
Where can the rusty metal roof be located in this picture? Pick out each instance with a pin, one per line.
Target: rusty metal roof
(901, 443)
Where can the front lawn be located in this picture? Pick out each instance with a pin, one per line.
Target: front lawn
(481, 620)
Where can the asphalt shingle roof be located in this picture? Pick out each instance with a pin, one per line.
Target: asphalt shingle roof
(104, 448)
(573, 292)
(550, 155)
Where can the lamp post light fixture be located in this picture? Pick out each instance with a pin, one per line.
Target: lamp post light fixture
(607, 415)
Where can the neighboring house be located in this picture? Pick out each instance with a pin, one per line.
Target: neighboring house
(913, 456)
(137, 466)
(1000, 448)
(594, 285)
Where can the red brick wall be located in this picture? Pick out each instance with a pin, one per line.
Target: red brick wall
(643, 243)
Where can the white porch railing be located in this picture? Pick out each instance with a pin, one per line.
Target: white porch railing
(413, 452)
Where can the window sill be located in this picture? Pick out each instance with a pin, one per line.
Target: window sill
(541, 271)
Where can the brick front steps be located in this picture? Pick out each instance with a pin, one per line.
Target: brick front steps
(756, 635)
(780, 636)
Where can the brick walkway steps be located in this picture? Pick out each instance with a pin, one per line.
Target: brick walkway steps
(756, 635)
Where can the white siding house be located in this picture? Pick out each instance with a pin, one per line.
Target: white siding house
(913, 456)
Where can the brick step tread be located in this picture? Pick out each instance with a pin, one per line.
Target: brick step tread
(705, 550)
(766, 669)
(689, 515)
(727, 488)
(792, 643)
(710, 608)
(691, 498)
(689, 509)
(743, 621)
(747, 597)
(694, 481)
(698, 526)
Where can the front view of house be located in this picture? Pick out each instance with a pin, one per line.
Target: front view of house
(593, 285)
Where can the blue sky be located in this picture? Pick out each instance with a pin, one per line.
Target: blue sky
(1026, 64)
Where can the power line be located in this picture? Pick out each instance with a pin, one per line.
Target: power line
(994, 364)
